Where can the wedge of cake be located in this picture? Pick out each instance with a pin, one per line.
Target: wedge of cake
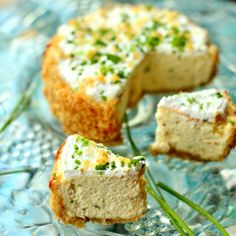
(199, 125)
(100, 63)
(90, 183)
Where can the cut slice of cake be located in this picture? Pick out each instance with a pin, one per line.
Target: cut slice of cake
(90, 183)
(100, 63)
(199, 125)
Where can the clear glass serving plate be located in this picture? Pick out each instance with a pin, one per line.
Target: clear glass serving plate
(29, 144)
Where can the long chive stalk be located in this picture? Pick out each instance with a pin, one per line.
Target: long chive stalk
(175, 219)
(194, 206)
(179, 224)
(20, 106)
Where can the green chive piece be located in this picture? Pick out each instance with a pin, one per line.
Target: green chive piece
(191, 100)
(113, 165)
(99, 42)
(153, 42)
(219, 95)
(78, 162)
(79, 152)
(121, 74)
(114, 58)
(179, 41)
(103, 97)
(102, 167)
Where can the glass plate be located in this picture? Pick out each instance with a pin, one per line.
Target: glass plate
(29, 144)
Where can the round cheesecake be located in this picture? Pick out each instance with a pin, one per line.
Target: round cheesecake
(99, 64)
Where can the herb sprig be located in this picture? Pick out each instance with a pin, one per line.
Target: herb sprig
(153, 189)
(21, 105)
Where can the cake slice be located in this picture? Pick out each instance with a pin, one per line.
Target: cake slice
(90, 183)
(199, 125)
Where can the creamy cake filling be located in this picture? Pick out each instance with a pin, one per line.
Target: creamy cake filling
(110, 44)
(204, 105)
(81, 156)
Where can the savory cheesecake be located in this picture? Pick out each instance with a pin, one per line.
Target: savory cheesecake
(100, 63)
(91, 183)
(199, 125)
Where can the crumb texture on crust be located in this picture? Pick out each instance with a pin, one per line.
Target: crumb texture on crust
(183, 136)
(98, 197)
(93, 104)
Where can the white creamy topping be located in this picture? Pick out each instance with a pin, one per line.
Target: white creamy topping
(83, 157)
(123, 34)
(204, 105)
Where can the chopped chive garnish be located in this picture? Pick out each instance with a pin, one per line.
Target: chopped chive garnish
(102, 167)
(179, 41)
(84, 62)
(219, 95)
(103, 31)
(114, 58)
(121, 74)
(232, 122)
(70, 41)
(99, 42)
(106, 69)
(135, 161)
(191, 100)
(122, 163)
(153, 42)
(84, 141)
(113, 165)
(175, 30)
(103, 97)
(78, 162)
(117, 81)
(79, 152)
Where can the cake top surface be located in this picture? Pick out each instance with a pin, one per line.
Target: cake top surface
(205, 105)
(81, 156)
(101, 49)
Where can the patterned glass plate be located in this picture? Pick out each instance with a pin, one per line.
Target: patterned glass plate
(29, 144)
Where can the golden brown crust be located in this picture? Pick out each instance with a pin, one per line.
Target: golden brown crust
(77, 113)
